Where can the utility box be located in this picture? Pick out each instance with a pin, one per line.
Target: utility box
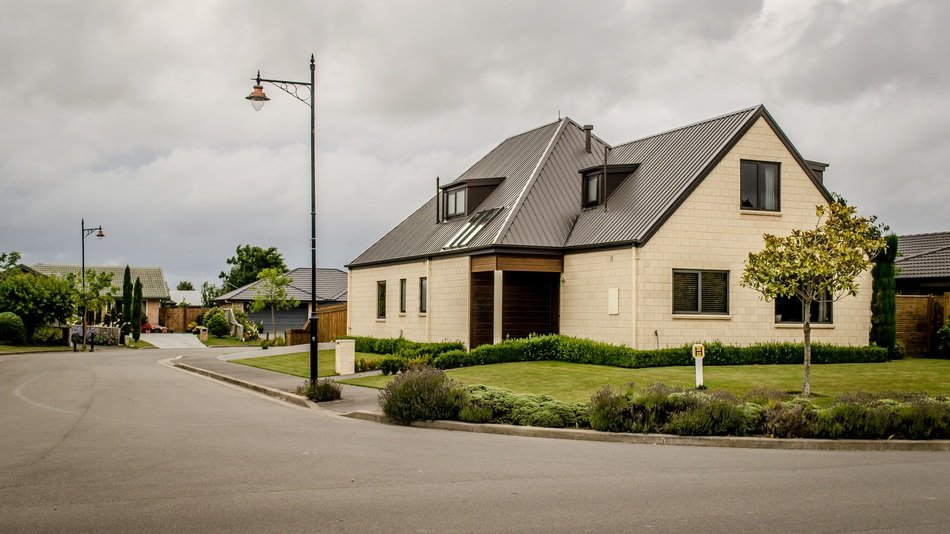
(345, 356)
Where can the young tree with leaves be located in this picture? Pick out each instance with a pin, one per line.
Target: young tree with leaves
(271, 292)
(185, 285)
(8, 260)
(209, 292)
(37, 300)
(247, 262)
(812, 264)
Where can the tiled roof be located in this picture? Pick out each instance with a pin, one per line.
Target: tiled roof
(154, 286)
(331, 287)
(538, 203)
(923, 255)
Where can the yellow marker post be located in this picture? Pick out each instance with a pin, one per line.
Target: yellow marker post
(699, 351)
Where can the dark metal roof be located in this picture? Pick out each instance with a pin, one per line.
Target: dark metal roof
(923, 255)
(540, 196)
(331, 287)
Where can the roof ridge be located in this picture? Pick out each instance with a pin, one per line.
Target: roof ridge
(693, 125)
(919, 254)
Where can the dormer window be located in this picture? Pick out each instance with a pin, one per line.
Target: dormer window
(455, 202)
(595, 189)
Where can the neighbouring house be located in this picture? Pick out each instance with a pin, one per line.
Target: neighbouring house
(640, 244)
(923, 264)
(154, 287)
(331, 299)
(182, 308)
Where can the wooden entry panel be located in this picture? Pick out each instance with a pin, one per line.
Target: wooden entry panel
(534, 264)
(530, 304)
(483, 308)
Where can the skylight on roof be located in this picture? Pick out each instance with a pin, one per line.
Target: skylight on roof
(471, 228)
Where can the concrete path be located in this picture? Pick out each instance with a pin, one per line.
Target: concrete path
(173, 341)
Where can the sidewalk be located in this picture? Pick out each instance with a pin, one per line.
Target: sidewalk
(216, 365)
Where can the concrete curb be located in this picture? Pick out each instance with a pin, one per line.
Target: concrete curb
(594, 435)
(276, 393)
(666, 439)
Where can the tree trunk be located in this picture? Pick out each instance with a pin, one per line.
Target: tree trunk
(273, 322)
(806, 373)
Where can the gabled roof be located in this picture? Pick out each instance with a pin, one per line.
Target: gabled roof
(331, 287)
(188, 296)
(923, 255)
(154, 286)
(538, 204)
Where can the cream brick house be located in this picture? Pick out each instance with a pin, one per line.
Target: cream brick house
(640, 244)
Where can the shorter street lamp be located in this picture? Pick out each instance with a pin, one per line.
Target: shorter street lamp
(86, 232)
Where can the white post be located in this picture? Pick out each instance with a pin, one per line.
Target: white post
(345, 356)
(699, 351)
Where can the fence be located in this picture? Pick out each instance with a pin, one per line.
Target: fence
(332, 324)
(177, 318)
(918, 319)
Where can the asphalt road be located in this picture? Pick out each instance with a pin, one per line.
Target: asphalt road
(114, 442)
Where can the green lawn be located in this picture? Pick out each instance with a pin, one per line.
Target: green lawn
(577, 382)
(6, 349)
(229, 342)
(298, 363)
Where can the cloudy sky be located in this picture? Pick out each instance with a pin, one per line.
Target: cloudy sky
(131, 114)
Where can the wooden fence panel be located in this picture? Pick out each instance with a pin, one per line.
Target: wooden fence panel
(918, 319)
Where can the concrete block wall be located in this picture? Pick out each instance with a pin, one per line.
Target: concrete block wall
(585, 288)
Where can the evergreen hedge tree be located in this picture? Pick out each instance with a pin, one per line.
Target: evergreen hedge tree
(127, 301)
(884, 297)
(137, 309)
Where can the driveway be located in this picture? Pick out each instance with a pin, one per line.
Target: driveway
(173, 341)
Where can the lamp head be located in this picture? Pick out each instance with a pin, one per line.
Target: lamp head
(100, 234)
(257, 96)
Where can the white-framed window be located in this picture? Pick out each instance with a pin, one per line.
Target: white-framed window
(700, 292)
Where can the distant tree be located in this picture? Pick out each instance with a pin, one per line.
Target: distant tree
(247, 262)
(137, 309)
(8, 260)
(98, 294)
(884, 297)
(209, 292)
(271, 292)
(37, 300)
(812, 264)
(185, 285)
(127, 289)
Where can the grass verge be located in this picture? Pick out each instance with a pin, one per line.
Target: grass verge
(11, 349)
(229, 342)
(577, 382)
(298, 363)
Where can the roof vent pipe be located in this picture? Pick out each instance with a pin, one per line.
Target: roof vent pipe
(587, 130)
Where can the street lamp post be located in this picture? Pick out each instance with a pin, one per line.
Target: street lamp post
(258, 98)
(86, 232)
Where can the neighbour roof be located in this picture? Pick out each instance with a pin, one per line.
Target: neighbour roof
(923, 255)
(331, 287)
(538, 204)
(154, 286)
(190, 296)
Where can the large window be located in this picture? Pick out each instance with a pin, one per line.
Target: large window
(455, 203)
(760, 186)
(423, 294)
(700, 292)
(402, 295)
(381, 299)
(791, 310)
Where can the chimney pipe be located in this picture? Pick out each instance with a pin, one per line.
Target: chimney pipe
(438, 200)
(587, 130)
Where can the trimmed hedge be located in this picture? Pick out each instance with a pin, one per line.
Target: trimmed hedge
(575, 350)
(12, 329)
(402, 347)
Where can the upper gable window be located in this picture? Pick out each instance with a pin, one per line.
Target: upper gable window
(455, 203)
(760, 186)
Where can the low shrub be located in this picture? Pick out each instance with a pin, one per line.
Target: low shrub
(362, 365)
(403, 347)
(12, 329)
(485, 404)
(421, 393)
(391, 365)
(216, 323)
(321, 390)
(47, 335)
(943, 341)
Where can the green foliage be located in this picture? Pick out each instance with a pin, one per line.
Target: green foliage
(47, 335)
(362, 365)
(271, 292)
(391, 365)
(136, 316)
(209, 292)
(216, 322)
(808, 264)
(127, 289)
(185, 285)
(321, 390)
(11, 329)
(484, 404)
(421, 393)
(943, 341)
(247, 262)
(37, 300)
(8, 260)
(251, 332)
(402, 347)
(884, 297)
(576, 350)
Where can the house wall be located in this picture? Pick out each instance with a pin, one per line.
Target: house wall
(585, 289)
(151, 309)
(447, 311)
(709, 231)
